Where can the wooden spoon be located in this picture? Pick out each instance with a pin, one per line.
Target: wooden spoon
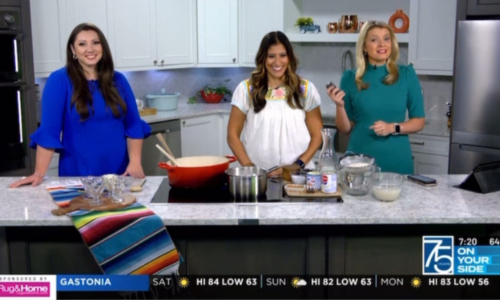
(168, 155)
(164, 143)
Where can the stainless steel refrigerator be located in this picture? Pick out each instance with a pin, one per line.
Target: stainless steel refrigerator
(475, 130)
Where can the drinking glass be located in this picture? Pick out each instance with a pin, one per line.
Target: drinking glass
(115, 185)
(95, 187)
(85, 185)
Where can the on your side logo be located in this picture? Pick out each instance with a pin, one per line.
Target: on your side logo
(437, 255)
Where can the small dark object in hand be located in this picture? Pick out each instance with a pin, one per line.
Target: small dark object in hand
(329, 84)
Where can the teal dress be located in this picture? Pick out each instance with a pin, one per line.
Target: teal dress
(381, 102)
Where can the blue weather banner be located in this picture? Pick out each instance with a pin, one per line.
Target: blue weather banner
(286, 287)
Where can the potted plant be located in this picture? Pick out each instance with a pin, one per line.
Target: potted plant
(307, 24)
(214, 93)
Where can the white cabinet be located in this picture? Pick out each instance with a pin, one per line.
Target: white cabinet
(151, 34)
(252, 27)
(217, 32)
(48, 43)
(225, 146)
(430, 154)
(432, 36)
(52, 25)
(201, 136)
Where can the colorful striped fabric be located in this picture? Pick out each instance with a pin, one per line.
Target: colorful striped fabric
(132, 240)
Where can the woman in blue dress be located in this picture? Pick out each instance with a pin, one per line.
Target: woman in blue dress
(89, 115)
(374, 99)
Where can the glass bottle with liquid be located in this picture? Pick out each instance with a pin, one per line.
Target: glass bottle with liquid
(328, 162)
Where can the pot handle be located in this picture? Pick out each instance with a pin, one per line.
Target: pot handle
(165, 165)
(231, 158)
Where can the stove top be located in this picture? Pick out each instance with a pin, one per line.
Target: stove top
(275, 194)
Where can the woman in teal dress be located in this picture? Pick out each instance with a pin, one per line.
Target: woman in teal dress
(373, 101)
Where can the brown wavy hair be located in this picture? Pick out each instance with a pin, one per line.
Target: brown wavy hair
(82, 97)
(362, 58)
(259, 80)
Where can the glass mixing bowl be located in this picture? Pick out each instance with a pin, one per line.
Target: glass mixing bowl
(387, 186)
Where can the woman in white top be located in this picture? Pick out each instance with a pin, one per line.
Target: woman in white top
(275, 118)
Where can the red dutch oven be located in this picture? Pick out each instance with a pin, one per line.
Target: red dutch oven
(198, 171)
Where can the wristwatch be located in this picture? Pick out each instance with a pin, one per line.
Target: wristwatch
(301, 164)
(397, 129)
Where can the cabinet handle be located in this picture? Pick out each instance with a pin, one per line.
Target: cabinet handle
(162, 62)
(418, 143)
(183, 123)
(155, 62)
(234, 60)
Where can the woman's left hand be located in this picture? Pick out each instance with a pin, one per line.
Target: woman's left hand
(382, 128)
(134, 170)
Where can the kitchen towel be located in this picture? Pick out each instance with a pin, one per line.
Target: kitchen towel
(131, 240)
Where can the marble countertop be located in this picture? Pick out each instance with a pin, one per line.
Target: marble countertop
(443, 204)
(184, 110)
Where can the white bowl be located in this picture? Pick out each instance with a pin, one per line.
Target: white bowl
(299, 179)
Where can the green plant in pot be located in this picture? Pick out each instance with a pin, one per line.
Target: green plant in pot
(306, 24)
(214, 93)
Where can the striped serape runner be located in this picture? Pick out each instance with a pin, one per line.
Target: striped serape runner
(131, 240)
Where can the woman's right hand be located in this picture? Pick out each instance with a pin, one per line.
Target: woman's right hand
(34, 179)
(337, 95)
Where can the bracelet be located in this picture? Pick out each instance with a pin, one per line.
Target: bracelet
(38, 174)
(301, 164)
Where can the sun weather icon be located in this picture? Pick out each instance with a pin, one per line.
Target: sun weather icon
(183, 282)
(297, 282)
(416, 282)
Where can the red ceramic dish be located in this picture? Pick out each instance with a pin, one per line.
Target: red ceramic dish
(198, 171)
(212, 98)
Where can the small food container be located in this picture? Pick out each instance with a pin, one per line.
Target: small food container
(163, 100)
(387, 186)
(295, 187)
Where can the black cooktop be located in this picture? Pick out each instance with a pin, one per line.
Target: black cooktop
(275, 194)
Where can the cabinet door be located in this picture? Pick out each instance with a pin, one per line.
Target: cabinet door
(133, 26)
(217, 32)
(225, 146)
(48, 42)
(253, 29)
(74, 12)
(430, 164)
(201, 136)
(432, 36)
(176, 31)
(483, 7)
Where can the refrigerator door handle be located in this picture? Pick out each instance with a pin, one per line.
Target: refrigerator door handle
(484, 150)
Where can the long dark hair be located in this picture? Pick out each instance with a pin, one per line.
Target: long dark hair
(82, 97)
(258, 80)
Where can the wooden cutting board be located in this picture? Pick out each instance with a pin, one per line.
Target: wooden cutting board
(317, 194)
(147, 111)
(81, 202)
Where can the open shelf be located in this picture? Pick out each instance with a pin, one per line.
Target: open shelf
(334, 37)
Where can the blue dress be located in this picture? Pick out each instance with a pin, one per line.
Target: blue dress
(97, 145)
(381, 102)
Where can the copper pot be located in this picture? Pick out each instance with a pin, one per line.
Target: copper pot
(348, 24)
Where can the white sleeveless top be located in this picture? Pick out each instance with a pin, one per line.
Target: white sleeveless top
(278, 133)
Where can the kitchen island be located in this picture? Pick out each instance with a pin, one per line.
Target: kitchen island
(359, 236)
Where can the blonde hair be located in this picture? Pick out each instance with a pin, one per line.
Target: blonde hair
(362, 58)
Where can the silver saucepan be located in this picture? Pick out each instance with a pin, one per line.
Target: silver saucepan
(248, 183)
